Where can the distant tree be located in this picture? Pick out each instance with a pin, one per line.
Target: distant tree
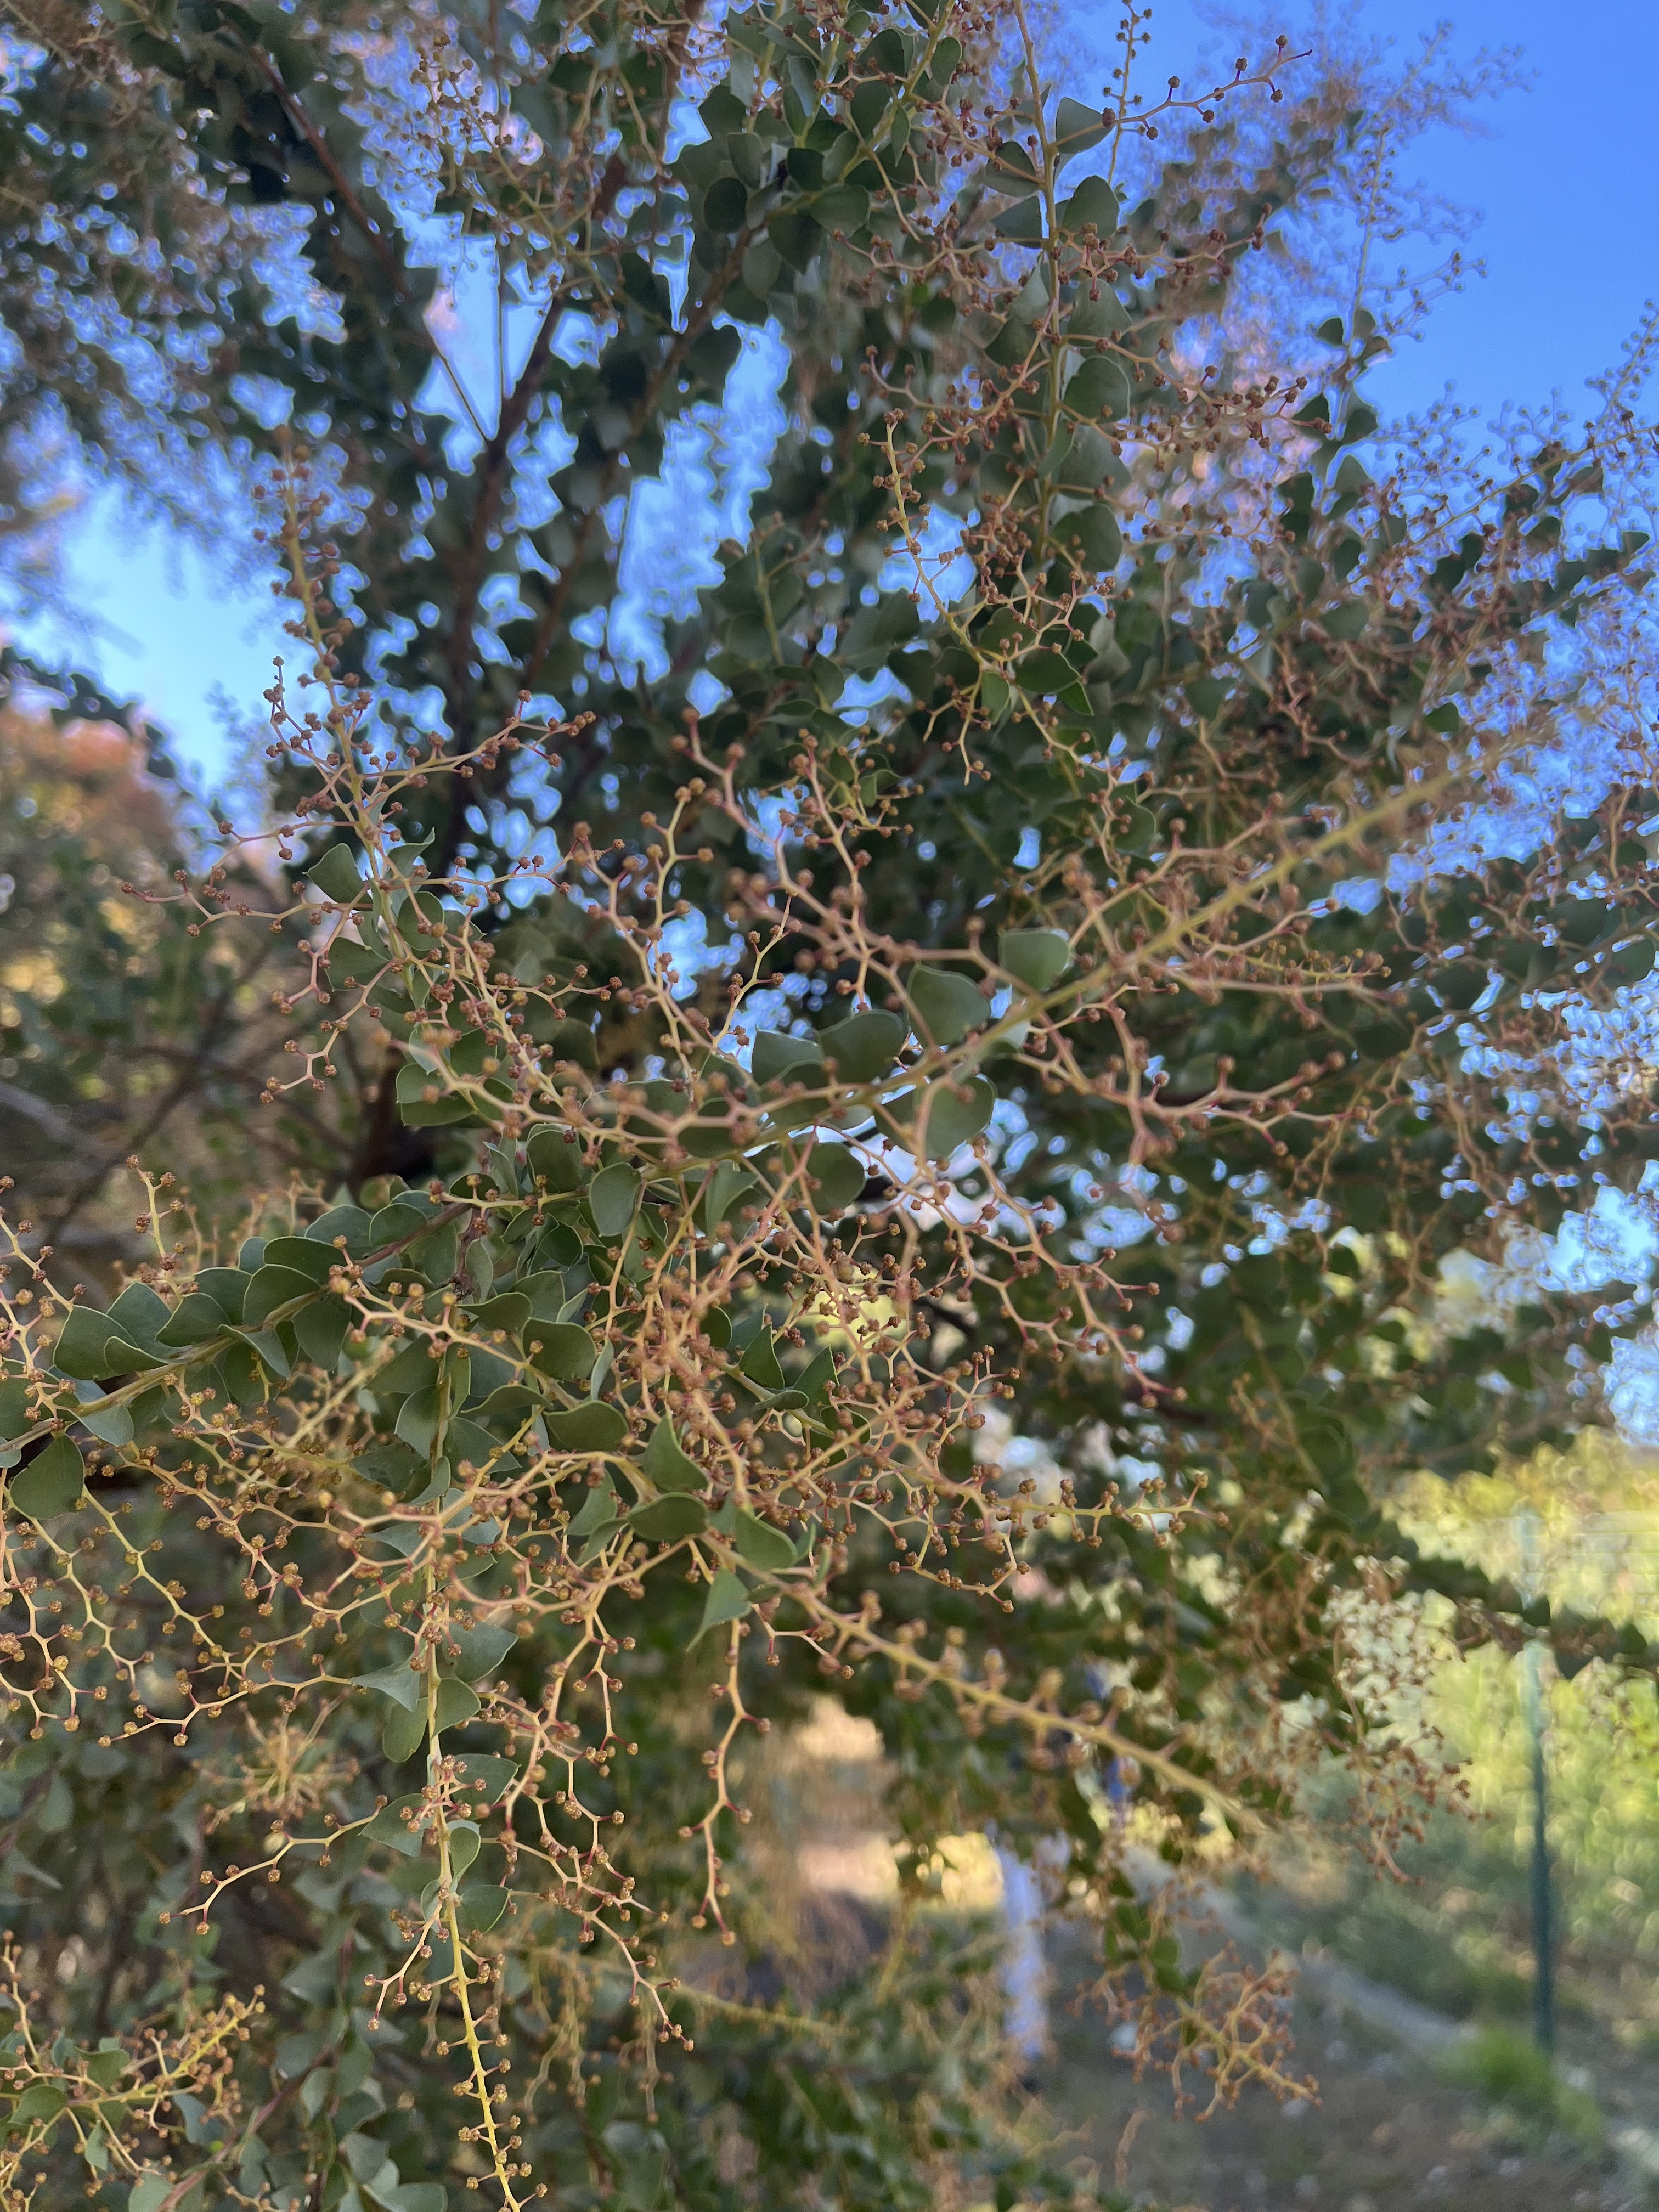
(121, 1028)
(1021, 953)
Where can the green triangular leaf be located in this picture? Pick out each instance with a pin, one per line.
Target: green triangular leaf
(400, 1683)
(1036, 957)
(666, 1520)
(456, 1703)
(561, 1349)
(482, 1906)
(836, 1175)
(1077, 129)
(481, 1650)
(816, 1376)
(555, 1160)
(668, 1466)
(321, 1329)
(195, 1319)
(612, 1197)
(389, 1825)
(727, 1182)
(760, 1543)
(952, 1114)
(728, 1599)
(81, 1345)
(759, 1363)
(778, 1057)
(51, 1483)
(1093, 202)
(865, 1046)
(483, 1775)
(591, 1428)
(1023, 223)
(946, 1006)
(402, 1734)
(137, 1313)
(598, 1509)
(336, 876)
(15, 1414)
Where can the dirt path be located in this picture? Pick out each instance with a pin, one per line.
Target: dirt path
(1387, 2134)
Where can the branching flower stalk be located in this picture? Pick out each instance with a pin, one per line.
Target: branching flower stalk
(914, 1146)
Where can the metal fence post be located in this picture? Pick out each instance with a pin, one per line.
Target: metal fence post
(1543, 1898)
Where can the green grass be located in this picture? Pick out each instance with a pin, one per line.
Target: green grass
(1510, 2070)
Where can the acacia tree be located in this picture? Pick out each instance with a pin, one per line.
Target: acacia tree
(1102, 1023)
(123, 1030)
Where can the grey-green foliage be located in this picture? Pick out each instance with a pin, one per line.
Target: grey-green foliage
(1240, 1086)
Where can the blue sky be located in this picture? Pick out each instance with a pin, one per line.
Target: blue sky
(1564, 179)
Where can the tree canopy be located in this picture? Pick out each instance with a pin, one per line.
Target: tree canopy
(892, 1118)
